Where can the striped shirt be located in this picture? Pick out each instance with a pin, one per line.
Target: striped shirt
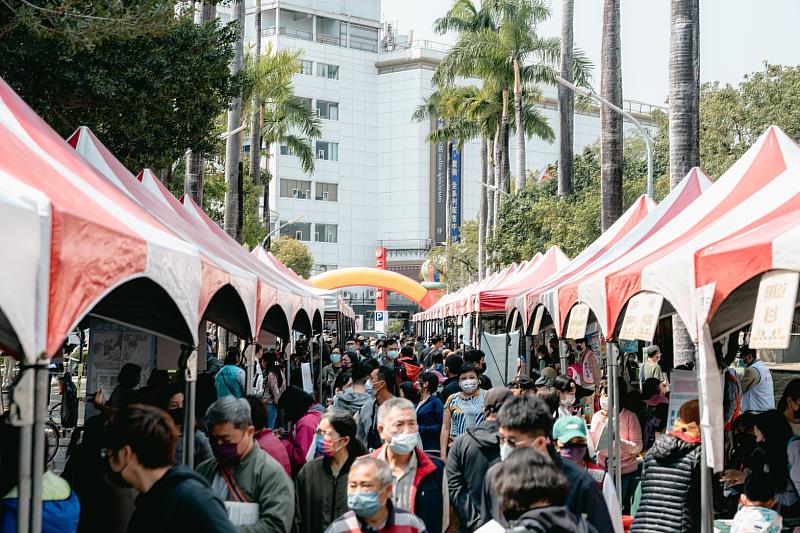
(465, 413)
(398, 521)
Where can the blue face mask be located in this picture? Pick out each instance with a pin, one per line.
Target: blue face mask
(335, 358)
(364, 504)
(391, 354)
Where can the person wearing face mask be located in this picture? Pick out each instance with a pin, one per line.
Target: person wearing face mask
(329, 374)
(369, 497)
(420, 483)
(390, 356)
(430, 412)
(353, 399)
(322, 483)
(242, 472)
(470, 458)
(384, 388)
(571, 440)
(304, 413)
(526, 422)
(757, 390)
(462, 410)
(141, 452)
(789, 405)
(568, 393)
(630, 438)
(172, 402)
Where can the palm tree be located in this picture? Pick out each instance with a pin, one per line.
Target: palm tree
(285, 118)
(611, 121)
(232, 216)
(566, 101)
(193, 180)
(684, 116)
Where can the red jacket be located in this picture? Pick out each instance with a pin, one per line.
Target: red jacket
(268, 442)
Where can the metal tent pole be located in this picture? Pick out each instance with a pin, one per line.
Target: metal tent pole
(37, 460)
(613, 352)
(22, 407)
(706, 488)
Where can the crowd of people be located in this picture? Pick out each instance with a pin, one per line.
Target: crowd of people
(402, 435)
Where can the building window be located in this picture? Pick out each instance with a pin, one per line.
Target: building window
(326, 233)
(299, 189)
(306, 67)
(307, 102)
(286, 150)
(324, 70)
(328, 110)
(328, 151)
(327, 192)
(331, 31)
(321, 269)
(296, 230)
(363, 38)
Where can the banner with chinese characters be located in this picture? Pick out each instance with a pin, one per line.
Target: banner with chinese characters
(439, 189)
(772, 322)
(455, 193)
(641, 317)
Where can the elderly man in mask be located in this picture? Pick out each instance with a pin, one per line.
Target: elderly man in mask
(242, 474)
(420, 484)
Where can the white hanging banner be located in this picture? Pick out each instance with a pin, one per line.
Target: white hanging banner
(641, 317)
(305, 372)
(537, 320)
(466, 330)
(772, 322)
(578, 318)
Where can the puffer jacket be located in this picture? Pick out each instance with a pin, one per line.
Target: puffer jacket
(670, 488)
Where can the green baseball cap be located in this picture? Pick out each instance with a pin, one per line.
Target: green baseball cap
(569, 427)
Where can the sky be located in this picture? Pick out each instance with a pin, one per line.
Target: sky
(736, 37)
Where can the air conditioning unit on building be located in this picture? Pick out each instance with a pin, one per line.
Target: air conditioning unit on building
(345, 294)
(308, 194)
(295, 193)
(316, 236)
(370, 294)
(320, 154)
(325, 196)
(298, 235)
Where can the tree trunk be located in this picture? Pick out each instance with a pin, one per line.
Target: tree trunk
(489, 195)
(496, 176)
(566, 101)
(255, 119)
(482, 211)
(519, 182)
(505, 163)
(684, 113)
(266, 186)
(195, 162)
(611, 121)
(233, 143)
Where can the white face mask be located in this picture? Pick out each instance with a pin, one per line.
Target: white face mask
(469, 385)
(403, 443)
(604, 402)
(505, 451)
(568, 401)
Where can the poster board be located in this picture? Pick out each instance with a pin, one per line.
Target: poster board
(578, 318)
(772, 321)
(683, 387)
(641, 317)
(111, 346)
(308, 383)
(494, 346)
(537, 320)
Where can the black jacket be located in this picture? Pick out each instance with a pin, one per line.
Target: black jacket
(467, 463)
(584, 498)
(670, 488)
(551, 520)
(321, 496)
(450, 387)
(180, 501)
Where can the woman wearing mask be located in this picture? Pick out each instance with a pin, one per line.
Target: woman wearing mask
(568, 394)
(430, 412)
(571, 440)
(463, 410)
(630, 437)
(274, 385)
(329, 375)
(301, 410)
(322, 483)
(172, 402)
(789, 405)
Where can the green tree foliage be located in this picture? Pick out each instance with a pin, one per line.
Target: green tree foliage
(537, 218)
(294, 254)
(148, 98)
(458, 262)
(732, 118)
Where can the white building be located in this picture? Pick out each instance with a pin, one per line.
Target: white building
(374, 178)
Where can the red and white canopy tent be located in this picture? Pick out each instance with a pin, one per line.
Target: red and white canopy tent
(97, 246)
(525, 303)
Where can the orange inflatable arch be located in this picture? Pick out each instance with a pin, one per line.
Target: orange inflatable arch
(375, 277)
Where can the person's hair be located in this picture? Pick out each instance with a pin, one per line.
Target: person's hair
(542, 349)
(527, 478)
(167, 393)
(386, 374)
(437, 358)
(633, 402)
(258, 412)
(760, 487)
(650, 388)
(390, 341)
(792, 391)
(275, 368)
(419, 338)
(361, 372)
(432, 381)
(528, 414)
(365, 351)
(550, 396)
(345, 425)
(473, 356)
(622, 390)
(383, 472)
(341, 380)
(454, 363)
(407, 351)
(295, 402)
(395, 404)
(129, 375)
(466, 369)
(258, 348)
(149, 431)
(229, 409)
(564, 384)
(232, 356)
(436, 339)
(409, 392)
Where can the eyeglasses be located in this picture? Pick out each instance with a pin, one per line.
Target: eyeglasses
(329, 434)
(511, 442)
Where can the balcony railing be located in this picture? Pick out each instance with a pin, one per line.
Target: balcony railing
(330, 39)
(288, 32)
